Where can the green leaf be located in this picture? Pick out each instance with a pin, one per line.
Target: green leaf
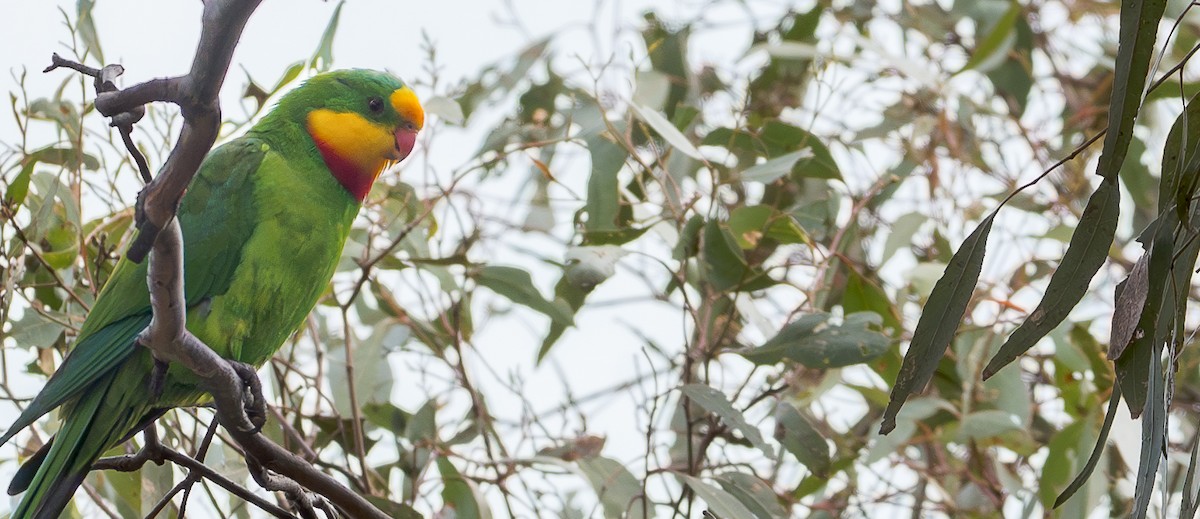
(724, 264)
(1175, 156)
(69, 158)
(460, 493)
(992, 49)
(715, 402)
(1190, 502)
(735, 141)
(496, 80)
(35, 331)
(518, 287)
(388, 416)
(588, 266)
(753, 492)
(62, 113)
(666, 46)
(749, 224)
(373, 377)
(651, 89)
(1013, 78)
(617, 489)
(1085, 255)
(812, 341)
(901, 234)
(1139, 27)
(668, 131)
(393, 509)
(573, 297)
(422, 425)
(1101, 440)
(19, 187)
(293, 71)
(775, 168)
(85, 26)
(1181, 178)
(797, 434)
(689, 238)
(939, 320)
(863, 295)
(322, 59)
(720, 502)
(445, 108)
(1154, 433)
(988, 423)
(603, 192)
(781, 138)
(1133, 364)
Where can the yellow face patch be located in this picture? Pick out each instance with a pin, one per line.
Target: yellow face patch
(355, 140)
(406, 104)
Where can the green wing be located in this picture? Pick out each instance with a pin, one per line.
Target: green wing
(217, 216)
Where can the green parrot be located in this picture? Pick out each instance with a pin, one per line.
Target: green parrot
(264, 223)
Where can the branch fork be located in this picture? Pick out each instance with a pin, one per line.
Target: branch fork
(235, 387)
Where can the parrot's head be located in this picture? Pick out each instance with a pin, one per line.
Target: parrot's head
(360, 121)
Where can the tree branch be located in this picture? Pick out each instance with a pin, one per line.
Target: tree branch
(155, 452)
(234, 387)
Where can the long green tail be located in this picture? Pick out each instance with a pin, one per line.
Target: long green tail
(96, 421)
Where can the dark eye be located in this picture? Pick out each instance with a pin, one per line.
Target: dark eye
(375, 104)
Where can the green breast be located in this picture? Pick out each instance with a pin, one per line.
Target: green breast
(294, 219)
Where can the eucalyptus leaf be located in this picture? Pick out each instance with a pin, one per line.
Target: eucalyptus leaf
(796, 433)
(322, 59)
(715, 402)
(668, 131)
(813, 341)
(1085, 255)
(445, 108)
(517, 285)
(617, 489)
(754, 493)
(1139, 24)
(461, 493)
(722, 503)
(775, 168)
(939, 320)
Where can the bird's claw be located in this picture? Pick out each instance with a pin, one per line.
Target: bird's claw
(305, 503)
(253, 403)
(158, 378)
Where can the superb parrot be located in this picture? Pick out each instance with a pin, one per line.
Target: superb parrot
(264, 222)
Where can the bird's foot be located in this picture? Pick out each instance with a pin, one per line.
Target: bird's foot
(304, 502)
(158, 378)
(254, 404)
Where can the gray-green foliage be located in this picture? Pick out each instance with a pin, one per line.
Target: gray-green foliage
(813, 217)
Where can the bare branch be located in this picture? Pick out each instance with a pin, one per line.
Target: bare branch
(235, 387)
(157, 453)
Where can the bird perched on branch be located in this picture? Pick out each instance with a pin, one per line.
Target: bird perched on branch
(264, 222)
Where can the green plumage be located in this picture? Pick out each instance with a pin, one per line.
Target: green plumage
(264, 222)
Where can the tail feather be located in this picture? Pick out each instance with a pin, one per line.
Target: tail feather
(93, 423)
(56, 498)
(24, 476)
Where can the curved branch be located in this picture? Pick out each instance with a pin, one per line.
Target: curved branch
(232, 387)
